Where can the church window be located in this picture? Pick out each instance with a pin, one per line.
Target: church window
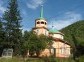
(63, 50)
(38, 22)
(42, 22)
(45, 23)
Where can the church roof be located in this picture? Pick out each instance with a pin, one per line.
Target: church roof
(61, 40)
(53, 31)
(40, 19)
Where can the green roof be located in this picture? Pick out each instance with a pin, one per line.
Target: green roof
(53, 31)
(41, 18)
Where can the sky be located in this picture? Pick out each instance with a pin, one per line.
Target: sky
(59, 13)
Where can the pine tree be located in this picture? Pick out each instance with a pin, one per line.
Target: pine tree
(12, 26)
(2, 36)
(74, 47)
(0, 30)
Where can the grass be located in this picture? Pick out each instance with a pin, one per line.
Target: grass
(15, 59)
(11, 60)
(34, 60)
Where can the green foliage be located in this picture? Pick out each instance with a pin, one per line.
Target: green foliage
(34, 60)
(77, 29)
(35, 43)
(13, 34)
(75, 35)
(74, 47)
(81, 59)
(1, 31)
(2, 36)
(46, 59)
(50, 59)
(14, 59)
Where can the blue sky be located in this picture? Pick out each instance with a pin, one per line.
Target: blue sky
(59, 12)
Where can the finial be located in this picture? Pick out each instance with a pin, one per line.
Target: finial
(41, 14)
(52, 25)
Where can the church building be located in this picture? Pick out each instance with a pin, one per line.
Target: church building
(60, 47)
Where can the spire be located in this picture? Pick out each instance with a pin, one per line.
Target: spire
(41, 14)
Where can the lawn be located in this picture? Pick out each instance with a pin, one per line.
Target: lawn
(15, 59)
(11, 60)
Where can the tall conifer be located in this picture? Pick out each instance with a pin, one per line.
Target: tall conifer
(2, 36)
(0, 30)
(12, 26)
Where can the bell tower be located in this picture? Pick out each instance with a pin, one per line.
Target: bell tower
(41, 24)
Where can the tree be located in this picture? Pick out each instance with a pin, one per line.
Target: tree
(77, 29)
(42, 43)
(12, 26)
(24, 48)
(77, 48)
(35, 43)
(74, 47)
(1, 31)
(2, 35)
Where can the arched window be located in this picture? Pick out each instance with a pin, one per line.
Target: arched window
(45, 23)
(38, 22)
(42, 22)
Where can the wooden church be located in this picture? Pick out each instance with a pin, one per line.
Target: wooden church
(60, 47)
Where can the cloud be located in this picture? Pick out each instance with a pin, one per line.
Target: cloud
(66, 19)
(23, 12)
(2, 9)
(33, 4)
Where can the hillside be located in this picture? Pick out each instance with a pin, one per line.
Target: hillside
(77, 29)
